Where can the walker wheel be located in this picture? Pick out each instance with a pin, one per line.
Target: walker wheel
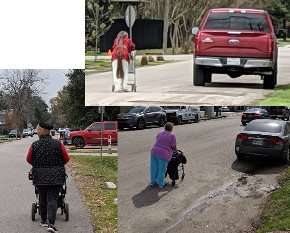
(173, 183)
(33, 211)
(66, 211)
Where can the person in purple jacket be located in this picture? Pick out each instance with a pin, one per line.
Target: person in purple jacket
(161, 154)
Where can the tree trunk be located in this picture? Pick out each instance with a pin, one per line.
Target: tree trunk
(165, 27)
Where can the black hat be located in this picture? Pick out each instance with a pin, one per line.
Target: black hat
(46, 126)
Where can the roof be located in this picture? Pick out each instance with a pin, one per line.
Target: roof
(280, 122)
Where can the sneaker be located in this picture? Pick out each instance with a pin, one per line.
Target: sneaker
(52, 229)
(161, 187)
(44, 223)
(152, 185)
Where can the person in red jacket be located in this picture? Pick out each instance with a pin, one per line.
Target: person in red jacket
(47, 157)
(122, 48)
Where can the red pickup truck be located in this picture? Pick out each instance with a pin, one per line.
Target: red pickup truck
(92, 134)
(235, 42)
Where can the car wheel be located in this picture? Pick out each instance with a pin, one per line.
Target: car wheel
(286, 157)
(121, 128)
(162, 122)
(179, 120)
(244, 123)
(196, 119)
(141, 124)
(198, 76)
(78, 142)
(270, 81)
(240, 156)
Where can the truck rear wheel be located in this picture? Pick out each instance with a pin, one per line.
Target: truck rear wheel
(198, 76)
(270, 81)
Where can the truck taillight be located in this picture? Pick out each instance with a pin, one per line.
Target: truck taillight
(241, 137)
(270, 45)
(196, 42)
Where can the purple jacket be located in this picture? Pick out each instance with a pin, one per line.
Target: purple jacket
(163, 146)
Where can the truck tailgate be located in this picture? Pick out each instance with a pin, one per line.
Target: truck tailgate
(250, 44)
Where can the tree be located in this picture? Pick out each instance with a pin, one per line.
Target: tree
(98, 20)
(40, 111)
(76, 113)
(165, 26)
(57, 109)
(20, 86)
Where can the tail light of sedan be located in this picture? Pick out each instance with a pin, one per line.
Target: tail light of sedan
(241, 137)
(257, 115)
(276, 141)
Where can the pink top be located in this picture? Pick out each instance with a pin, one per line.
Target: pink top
(163, 146)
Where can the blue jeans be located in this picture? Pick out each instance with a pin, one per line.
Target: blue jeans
(157, 170)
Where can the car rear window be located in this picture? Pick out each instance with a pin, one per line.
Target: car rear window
(110, 126)
(270, 127)
(237, 21)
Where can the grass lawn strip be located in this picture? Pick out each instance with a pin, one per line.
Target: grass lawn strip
(102, 65)
(91, 173)
(91, 151)
(276, 215)
(280, 97)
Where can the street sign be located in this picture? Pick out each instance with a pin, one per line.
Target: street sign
(130, 16)
(101, 109)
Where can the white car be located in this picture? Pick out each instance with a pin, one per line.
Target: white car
(27, 132)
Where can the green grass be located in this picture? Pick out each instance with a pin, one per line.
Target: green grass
(140, 52)
(91, 173)
(280, 97)
(102, 65)
(283, 43)
(276, 215)
(91, 151)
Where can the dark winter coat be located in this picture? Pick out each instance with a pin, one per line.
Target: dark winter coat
(47, 162)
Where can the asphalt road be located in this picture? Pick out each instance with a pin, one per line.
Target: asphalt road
(17, 195)
(218, 193)
(171, 84)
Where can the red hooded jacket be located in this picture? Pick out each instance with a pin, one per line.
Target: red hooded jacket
(127, 48)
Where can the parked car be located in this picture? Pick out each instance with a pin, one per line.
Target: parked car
(92, 134)
(282, 33)
(13, 133)
(254, 113)
(266, 137)
(140, 117)
(27, 132)
(66, 134)
(34, 131)
(280, 112)
(225, 109)
(235, 42)
(180, 114)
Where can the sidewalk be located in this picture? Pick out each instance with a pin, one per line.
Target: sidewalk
(17, 195)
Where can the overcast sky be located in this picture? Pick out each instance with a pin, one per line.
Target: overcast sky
(55, 82)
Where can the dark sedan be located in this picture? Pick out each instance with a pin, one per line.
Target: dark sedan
(254, 113)
(14, 133)
(264, 137)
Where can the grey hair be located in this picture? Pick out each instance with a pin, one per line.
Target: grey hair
(169, 126)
